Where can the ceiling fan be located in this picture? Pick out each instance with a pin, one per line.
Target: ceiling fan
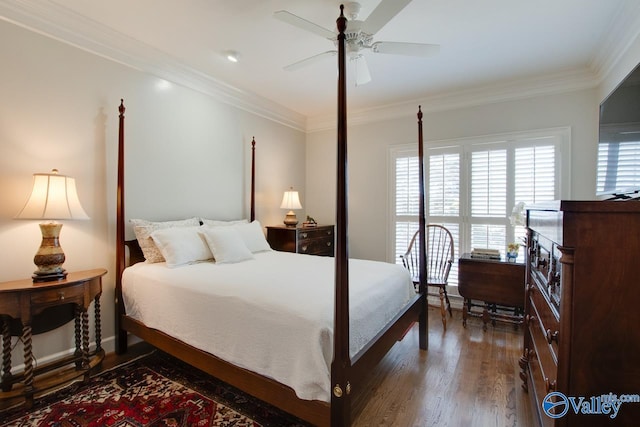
(359, 36)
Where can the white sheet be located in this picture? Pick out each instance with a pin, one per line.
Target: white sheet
(272, 315)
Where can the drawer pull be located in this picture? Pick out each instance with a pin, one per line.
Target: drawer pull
(552, 336)
(530, 288)
(542, 262)
(304, 235)
(328, 243)
(61, 295)
(529, 319)
(304, 248)
(549, 385)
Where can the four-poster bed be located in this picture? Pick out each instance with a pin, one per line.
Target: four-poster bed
(348, 368)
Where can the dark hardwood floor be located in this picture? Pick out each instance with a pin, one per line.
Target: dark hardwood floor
(468, 377)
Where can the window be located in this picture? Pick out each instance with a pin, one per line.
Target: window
(474, 183)
(618, 166)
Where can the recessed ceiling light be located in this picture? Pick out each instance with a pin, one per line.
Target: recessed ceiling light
(232, 55)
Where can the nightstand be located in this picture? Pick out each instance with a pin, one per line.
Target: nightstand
(317, 240)
(23, 305)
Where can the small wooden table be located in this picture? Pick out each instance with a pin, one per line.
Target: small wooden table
(498, 284)
(22, 304)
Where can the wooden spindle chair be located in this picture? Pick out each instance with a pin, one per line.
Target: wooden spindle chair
(440, 253)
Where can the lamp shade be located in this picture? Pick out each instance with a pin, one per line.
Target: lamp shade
(291, 200)
(53, 197)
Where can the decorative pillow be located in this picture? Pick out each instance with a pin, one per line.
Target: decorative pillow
(143, 229)
(218, 223)
(253, 236)
(181, 245)
(226, 244)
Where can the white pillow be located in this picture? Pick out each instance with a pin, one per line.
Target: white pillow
(218, 223)
(143, 229)
(226, 244)
(181, 245)
(253, 236)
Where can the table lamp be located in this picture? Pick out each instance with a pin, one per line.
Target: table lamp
(290, 201)
(53, 197)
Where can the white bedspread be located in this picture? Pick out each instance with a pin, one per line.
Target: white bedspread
(272, 315)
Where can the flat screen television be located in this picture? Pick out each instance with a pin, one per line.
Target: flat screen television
(619, 141)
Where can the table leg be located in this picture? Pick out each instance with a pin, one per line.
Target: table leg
(98, 326)
(78, 351)
(6, 356)
(85, 339)
(28, 364)
(486, 317)
(465, 311)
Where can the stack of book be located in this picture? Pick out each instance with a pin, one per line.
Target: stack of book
(485, 253)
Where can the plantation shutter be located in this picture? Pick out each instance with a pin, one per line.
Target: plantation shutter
(535, 174)
(488, 198)
(407, 203)
(618, 166)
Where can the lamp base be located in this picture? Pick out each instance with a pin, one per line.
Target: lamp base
(290, 220)
(49, 277)
(50, 257)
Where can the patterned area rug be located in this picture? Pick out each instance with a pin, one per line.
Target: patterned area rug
(155, 390)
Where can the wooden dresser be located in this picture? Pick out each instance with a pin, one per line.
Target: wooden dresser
(582, 312)
(317, 240)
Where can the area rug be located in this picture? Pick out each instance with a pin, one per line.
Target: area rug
(155, 390)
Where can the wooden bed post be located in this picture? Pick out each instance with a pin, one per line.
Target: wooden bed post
(253, 179)
(423, 320)
(121, 334)
(341, 364)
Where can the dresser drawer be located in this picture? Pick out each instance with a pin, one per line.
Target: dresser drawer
(323, 233)
(546, 270)
(316, 247)
(544, 333)
(537, 386)
(545, 319)
(542, 354)
(316, 242)
(53, 296)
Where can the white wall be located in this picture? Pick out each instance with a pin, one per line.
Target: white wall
(187, 155)
(368, 150)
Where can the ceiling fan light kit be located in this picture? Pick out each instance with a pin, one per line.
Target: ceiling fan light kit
(359, 37)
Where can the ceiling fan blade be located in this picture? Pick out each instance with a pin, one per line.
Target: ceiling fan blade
(302, 23)
(382, 14)
(361, 70)
(409, 49)
(310, 60)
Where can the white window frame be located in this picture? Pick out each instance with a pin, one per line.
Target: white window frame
(465, 146)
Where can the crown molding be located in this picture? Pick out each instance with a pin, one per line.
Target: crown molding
(62, 24)
(567, 81)
(625, 29)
